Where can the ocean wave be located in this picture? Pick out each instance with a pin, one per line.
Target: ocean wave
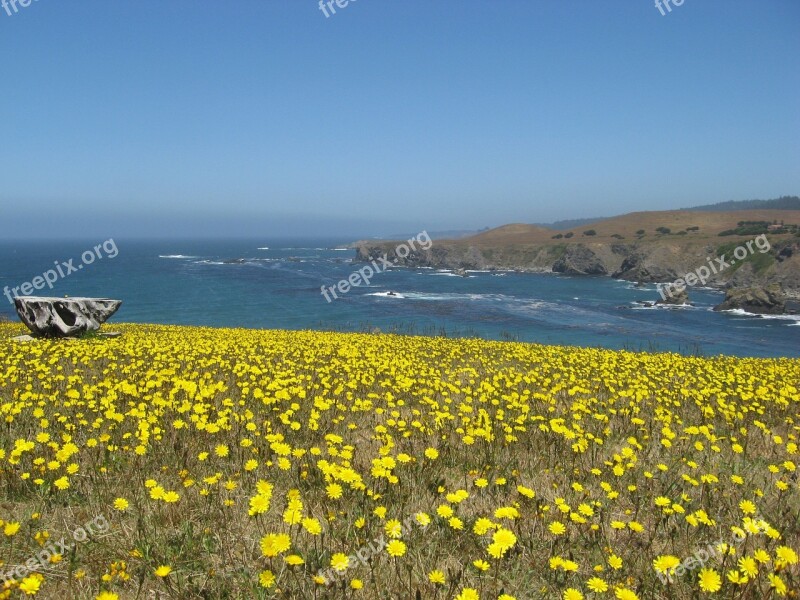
(638, 306)
(176, 256)
(387, 295)
(640, 288)
(740, 312)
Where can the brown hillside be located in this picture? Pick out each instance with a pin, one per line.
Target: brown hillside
(710, 224)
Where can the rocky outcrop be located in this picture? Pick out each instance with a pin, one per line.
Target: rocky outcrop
(579, 260)
(636, 267)
(64, 317)
(675, 298)
(768, 300)
(438, 257)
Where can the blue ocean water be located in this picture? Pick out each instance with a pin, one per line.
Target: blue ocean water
(276, 284)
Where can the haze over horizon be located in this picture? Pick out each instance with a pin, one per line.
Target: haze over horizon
(259, 119)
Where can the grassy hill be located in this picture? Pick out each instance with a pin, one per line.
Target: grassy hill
(638, 226)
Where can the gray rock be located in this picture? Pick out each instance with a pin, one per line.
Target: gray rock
(64, 317)
(769, 300)
(23, 338)
(676, 298)
(636, 267)
(579, 260)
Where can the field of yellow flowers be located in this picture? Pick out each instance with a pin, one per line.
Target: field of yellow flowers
(179, 462)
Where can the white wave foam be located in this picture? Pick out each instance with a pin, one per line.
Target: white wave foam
(739, 312)
(175, 256)
(386, 295)
(782, 317)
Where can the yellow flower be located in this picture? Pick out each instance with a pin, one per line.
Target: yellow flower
(557, 528)
(444, 511)
(334, 491)
(666, 564)
(423, 519)
(356, 584)
(274, 544)
(11, 529)
(436, 577)
(785, 556)
(572, 594)
(481, 565)
(266, 578)
(761, 556)
(312, 526)
(748, 566)
(747, 507)
(482, 525)
(396, 548)
(777, 584)
(163, 571)
(455, 523)
(221, 450)
(30, 585)
(431, 453)
(468, 594)
(597, 585)
(340, 562)
(106, 596)
(259, 504)
(121, 504)
(393, 528)
(709, 580)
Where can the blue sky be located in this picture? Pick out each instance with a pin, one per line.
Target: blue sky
(264, 117)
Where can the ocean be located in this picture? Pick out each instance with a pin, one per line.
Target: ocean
(276, 285)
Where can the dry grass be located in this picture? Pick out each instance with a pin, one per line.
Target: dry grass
(710, 224)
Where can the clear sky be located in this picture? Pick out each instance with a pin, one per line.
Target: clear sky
(264, 117)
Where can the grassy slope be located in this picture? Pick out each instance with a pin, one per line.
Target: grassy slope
(342, 422)
(710, 224)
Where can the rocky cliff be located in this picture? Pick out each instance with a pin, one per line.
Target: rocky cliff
(658, 261)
